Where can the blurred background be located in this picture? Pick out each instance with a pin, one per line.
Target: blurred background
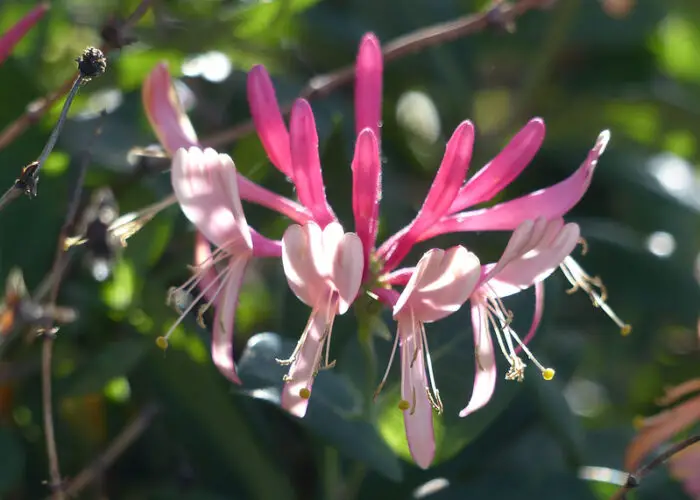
(583, 65)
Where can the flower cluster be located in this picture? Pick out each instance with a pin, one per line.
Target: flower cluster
(327, 267)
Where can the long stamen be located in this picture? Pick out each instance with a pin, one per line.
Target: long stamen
(297, 348)
(433, 392)
(223, 276)
(388, 367)
(330, 317)
(594, 288)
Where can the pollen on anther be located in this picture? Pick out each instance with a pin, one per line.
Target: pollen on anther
(304, 393)
(548, 373)
(404, 405)
(162, 343)
(626, 330)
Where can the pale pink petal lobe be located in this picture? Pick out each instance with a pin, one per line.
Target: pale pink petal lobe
(307, 164)
(222, 336)
(368, 85)
(14, 35)
(485, 359)
(366, 190)
(164, 112)
(268, 119)
(503, 169)
(301, 373)
(299, 266)
(418, 418)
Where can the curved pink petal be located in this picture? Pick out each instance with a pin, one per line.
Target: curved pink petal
(202, 257)
(366, 190)
(302, 371)
(549, 203)
(268, 119)
(222, 335)
(685, 467)
(536, 317)
(299, 265)
(448, 180)
(441, 283)
(164, 112)
(418, 418)
(538, 262)
(497, 174)
(206, 187)
(368, 85)
(14, 35)
(347, 270)
(485, 359)
(254, 193)
(307, 164)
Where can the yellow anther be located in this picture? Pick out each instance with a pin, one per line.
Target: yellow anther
(638, 422)
(404, 405)
(548, 373)
(304, 393)
(626, 329)
(162, 343)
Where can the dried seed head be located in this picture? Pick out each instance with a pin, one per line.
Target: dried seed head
(92, 63)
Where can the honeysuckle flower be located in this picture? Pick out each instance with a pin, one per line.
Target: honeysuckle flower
(441, 283)
(14, 35)
(326, 267)
(324, 270)
(206, 186)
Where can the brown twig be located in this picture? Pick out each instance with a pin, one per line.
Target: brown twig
(124, 439)
(634, 479)
(41, 106)
(502, 14)
(47, 329)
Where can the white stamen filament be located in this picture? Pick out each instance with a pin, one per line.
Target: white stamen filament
(579, 279)
(222, 277)
(499, 319)
(388, 366)
(432, 390)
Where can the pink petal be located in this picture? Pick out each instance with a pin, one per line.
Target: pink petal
(549, 203)
(206, 187)
(366, 190)
(202, 257)
(222, 336)
(164, 112)
(268, 119)
(536, 317)
(299, 265)
(418, 419)
(441, 283)
(12, 36)
(539, 262)
(301, 373)
(497, 174)
(253, 193)
(441, 195)
(347, 270)
(307, 164)
(399, 277)
(368, 85)
(485, 376)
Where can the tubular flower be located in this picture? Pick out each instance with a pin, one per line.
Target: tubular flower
(327, 268)
(14, 35)
(324, 270)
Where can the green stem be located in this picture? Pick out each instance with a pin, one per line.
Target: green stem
(331, 476)
(370, 356)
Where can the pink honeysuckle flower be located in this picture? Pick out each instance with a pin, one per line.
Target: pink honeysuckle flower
(534, 251)
(442, 282)
(685, 467)
(324, 270)
(206, 186)
(14, 35)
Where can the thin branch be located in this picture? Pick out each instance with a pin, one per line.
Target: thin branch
(634, 480)
(502, 14)
(49, 332)
(40, 107)
(124, 439)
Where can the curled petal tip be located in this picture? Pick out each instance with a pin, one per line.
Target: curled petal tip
(602, 141)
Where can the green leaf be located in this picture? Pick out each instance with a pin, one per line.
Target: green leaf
(335, 411)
